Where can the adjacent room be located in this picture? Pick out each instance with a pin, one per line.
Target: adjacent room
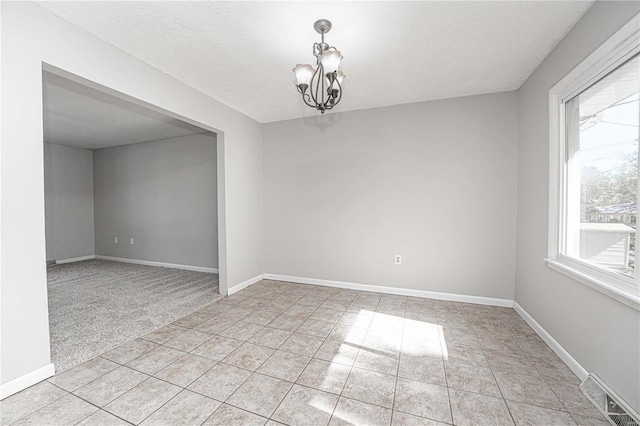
(320, 213)
(130, 218)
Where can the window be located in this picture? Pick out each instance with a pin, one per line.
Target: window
(594, 131)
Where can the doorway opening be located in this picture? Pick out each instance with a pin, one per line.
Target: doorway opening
(131, 212)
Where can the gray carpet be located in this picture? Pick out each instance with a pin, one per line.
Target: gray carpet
(96, 305)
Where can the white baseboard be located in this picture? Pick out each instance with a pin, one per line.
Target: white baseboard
(562, 353)
(29, 379)
(162, 264)
(236, 288)
(479, 300)
(75, 259)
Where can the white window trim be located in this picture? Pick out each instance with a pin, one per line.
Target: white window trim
(619, 48)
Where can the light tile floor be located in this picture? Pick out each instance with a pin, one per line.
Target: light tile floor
(283, 353)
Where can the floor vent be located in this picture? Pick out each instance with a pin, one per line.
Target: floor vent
(608, 403)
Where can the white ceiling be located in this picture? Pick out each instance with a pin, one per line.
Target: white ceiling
(242, 53)
(83, 117)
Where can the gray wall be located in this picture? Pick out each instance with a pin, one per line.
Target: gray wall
(68, 195)
(164, 195)
(434, 182)
(600, 333)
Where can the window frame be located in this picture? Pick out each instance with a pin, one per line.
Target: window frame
(622, 46)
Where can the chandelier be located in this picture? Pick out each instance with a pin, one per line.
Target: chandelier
(321, 87)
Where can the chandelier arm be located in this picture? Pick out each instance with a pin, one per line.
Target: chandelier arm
(307, 100)
(316, 86)
(322, 78)
(327, 104)
(339, 92)
(314, 91)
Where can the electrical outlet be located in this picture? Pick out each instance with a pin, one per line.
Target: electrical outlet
(115, 240)
(398, 259)
(131, 241)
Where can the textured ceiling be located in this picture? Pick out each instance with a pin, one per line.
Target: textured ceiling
(79, 116)
(241, 53)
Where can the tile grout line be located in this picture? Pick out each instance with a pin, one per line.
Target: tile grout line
(395, 388)
(153, 375)
(311, 359)
(46, 405)
(352, 366)
(255, 372)
(444, 365)
(99, 408)
(540, 376)
(239, 386)
(185, 388)
(103, 408)
(501, 393)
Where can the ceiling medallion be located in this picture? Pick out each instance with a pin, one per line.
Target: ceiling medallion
(321, 87)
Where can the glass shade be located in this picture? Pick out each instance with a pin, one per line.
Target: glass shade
(330, 60)
(303, 73)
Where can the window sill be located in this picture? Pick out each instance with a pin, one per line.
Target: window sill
(626, 297)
